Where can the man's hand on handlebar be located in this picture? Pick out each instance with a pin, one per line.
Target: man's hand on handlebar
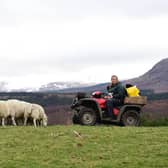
(108, 97)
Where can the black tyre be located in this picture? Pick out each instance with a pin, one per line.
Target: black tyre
(87, 116)
(75, 119)
(130, 118)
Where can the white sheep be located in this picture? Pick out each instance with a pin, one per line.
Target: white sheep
(18, 109)
(38, 114)
(4, 111)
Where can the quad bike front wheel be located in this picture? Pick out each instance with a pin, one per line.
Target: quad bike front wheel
(87, 116)
(130, 118)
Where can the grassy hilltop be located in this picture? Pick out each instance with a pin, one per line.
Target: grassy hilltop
(100, 147)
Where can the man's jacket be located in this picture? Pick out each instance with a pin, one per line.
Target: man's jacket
(118, 91)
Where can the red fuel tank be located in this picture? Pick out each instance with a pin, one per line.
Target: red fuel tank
(101, 102)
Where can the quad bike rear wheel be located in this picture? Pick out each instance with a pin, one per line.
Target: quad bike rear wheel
(87, 116)
(130, 118)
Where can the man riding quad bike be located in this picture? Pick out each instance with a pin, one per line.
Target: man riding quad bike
(88, 110)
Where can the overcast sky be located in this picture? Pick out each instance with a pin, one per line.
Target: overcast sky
(44, 41)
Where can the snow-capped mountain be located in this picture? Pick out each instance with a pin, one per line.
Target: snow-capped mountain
(23, 90)
(54, 86)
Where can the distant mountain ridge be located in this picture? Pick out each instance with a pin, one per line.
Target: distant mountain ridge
(155, 79)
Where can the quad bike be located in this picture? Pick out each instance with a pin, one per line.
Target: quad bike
(89, 110)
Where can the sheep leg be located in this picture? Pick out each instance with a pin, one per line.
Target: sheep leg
(41, 123)
(34, 121)
(25, 121)
(38, 123)
(13, 121)
(3, 121)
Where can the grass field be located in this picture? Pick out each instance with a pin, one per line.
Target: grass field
(99, 147)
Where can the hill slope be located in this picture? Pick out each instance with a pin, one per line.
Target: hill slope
(99, 147)
(155, 79)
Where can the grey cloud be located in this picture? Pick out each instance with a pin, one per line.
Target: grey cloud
(50, 65)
